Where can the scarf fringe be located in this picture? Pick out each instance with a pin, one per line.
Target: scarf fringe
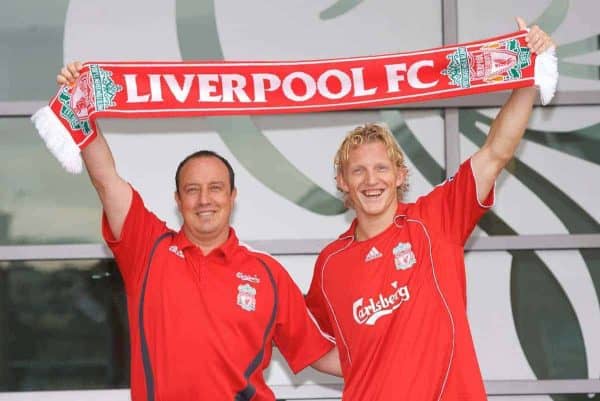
(57, 139)
(546, 74)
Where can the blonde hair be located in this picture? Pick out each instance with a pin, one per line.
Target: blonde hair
(369, 133)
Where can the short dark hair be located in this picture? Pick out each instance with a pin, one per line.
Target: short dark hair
(206, 153)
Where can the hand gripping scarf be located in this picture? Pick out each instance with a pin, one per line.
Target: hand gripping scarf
(176, 89)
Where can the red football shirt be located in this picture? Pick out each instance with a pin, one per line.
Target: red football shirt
(202, 326)
(396, 303)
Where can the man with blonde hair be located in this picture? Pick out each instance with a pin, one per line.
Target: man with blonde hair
(392, 288)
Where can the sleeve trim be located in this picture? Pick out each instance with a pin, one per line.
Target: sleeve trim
(490, 200)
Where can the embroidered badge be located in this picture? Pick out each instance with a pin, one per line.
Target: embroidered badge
(404, 258)
(247, 277)
(246, 298)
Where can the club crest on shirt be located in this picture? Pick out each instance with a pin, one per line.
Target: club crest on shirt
(246, 298)
(404, 258)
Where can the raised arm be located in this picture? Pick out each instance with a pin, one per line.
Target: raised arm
(115, 194)
(510, 123)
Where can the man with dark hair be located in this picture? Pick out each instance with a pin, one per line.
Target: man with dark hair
(204, 310)
(204, 153)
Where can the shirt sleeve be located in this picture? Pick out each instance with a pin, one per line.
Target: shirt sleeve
(140, 229)
(316, 302)
(297, 334)
(453, 207)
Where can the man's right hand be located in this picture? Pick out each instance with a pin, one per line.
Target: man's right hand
(69, 73)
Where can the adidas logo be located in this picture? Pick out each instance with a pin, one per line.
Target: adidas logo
(176, 251)
(373, 254)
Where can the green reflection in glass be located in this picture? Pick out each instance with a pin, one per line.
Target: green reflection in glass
(579, 47)
(582, 71)
(574, 217)
(197, 30)
(39, 202)
(538, 305)
(339, 8)
(592, 260)
(553, 15)
(546, 323)
(583, 143)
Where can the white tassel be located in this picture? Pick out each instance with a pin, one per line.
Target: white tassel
(58, 140)
(546, 74)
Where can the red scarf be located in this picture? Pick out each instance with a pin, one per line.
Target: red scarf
(176, 89)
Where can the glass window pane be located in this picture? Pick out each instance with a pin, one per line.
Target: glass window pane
(301, 30)
(572, 24)
(551, 179)
(40, 203)
(31, 44)
(535, 314)
(64, 326)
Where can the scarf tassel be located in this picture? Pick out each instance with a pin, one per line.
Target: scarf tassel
(58, 140)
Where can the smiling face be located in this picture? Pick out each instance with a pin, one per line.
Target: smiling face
(370, 180)
(205, 200)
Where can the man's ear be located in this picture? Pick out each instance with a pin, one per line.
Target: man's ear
(177, 200)
(401, 176)
(233, 196)
(341, 183)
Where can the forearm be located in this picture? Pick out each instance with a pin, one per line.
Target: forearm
(115, 194)
(508, 128)
(505, 134)
(99, 163)
(329, 363)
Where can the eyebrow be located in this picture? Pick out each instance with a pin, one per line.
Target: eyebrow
(193, 184)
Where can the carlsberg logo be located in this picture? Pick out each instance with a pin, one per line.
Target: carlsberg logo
(368, 312)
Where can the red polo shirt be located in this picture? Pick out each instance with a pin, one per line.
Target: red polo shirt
(396, 303)
(202, 326)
